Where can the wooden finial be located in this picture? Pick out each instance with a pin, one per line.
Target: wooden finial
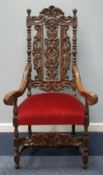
(28, 11)
(74, 12)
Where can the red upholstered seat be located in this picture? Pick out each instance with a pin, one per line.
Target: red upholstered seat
(51, 108)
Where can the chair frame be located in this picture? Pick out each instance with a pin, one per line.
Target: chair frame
(50, 139)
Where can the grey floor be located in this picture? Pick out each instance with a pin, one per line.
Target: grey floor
(51, 165)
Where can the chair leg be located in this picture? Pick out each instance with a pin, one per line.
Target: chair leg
(85, 148)
(29, 131)
(16, 147)
(73, 129)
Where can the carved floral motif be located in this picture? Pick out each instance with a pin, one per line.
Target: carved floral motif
(51, 86)
(66, 52)
(37, 49)
(52, 139)
(52, 51)
(52, 11)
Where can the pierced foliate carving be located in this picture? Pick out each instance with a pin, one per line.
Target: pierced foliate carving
(51, 86)
(66, 52)
(52, 50)
(37, 52)
(52, 12)
(52, 139)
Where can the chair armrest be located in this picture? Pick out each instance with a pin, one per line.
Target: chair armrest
(90, 97)
(12, 96)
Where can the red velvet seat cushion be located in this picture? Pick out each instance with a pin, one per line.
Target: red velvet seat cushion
(51, 108)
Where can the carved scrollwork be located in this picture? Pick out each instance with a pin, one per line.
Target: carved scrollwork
(51, 86)
(52, 51)
(51, 139)
(52, 11)
(37, 52)
(66, 52)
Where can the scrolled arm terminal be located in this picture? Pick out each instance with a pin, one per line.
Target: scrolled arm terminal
(12, 96)
(90, 97)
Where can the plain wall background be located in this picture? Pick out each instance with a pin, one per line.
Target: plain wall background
(13, 46)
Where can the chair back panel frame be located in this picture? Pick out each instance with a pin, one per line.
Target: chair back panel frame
(51, 72)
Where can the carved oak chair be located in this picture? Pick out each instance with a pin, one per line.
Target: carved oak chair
(52, 53)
